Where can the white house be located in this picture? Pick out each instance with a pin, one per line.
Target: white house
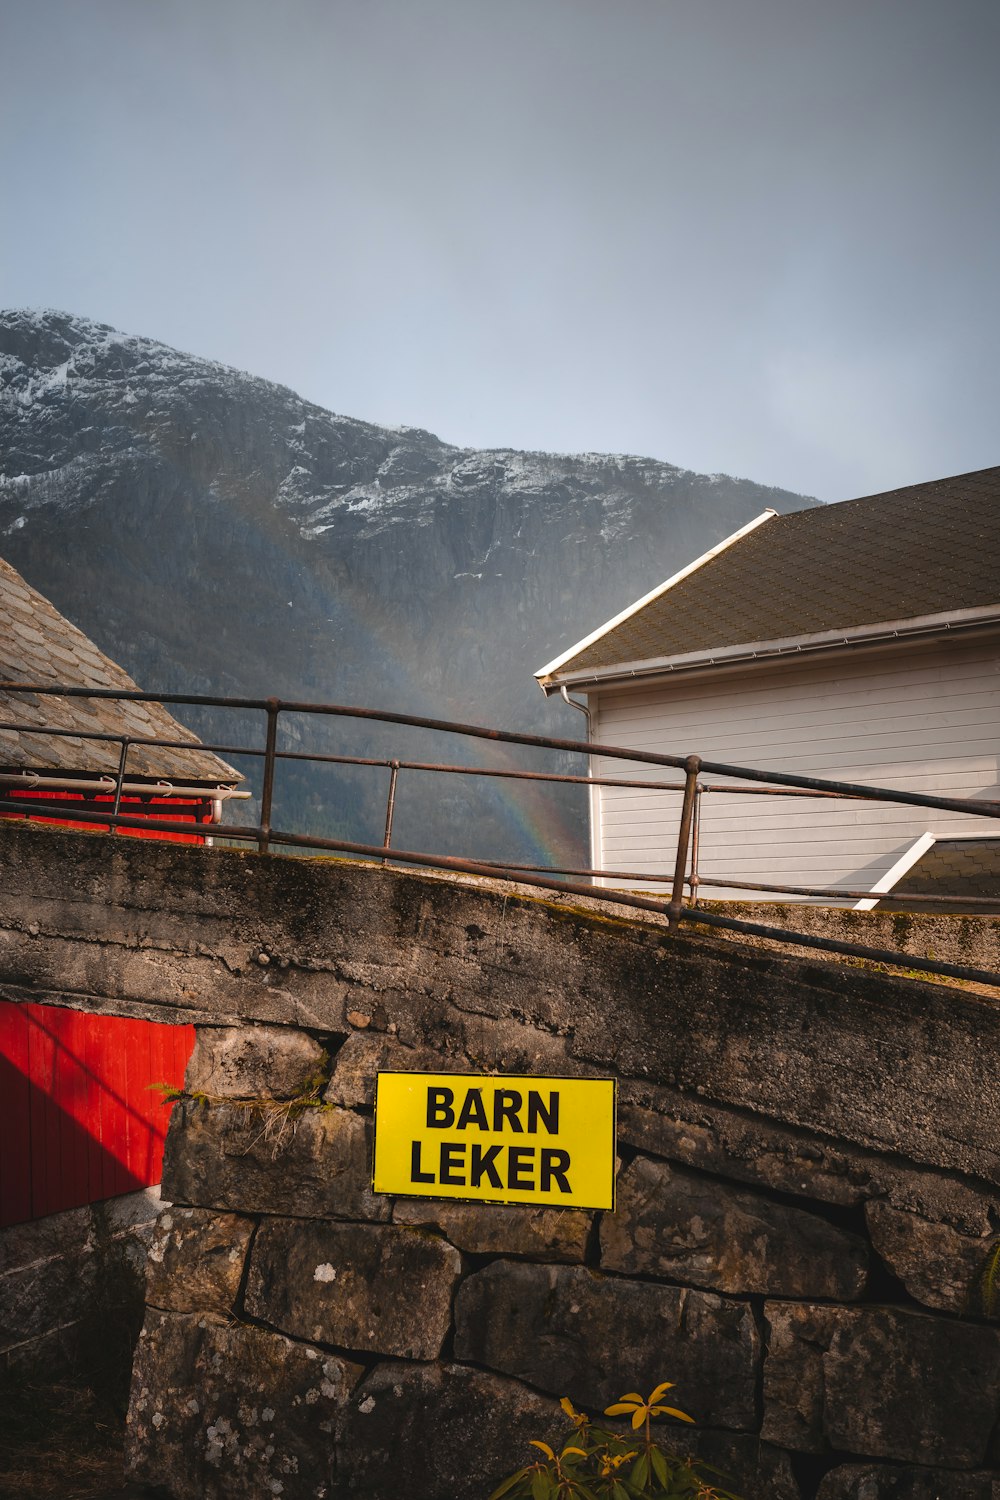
(858, 642)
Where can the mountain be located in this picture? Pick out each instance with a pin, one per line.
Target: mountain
(214, 532)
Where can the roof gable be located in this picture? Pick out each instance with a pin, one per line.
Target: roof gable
(928, 549)
(39, 645)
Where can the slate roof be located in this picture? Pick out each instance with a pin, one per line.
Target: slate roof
(38, 645)
(924, 550)
(952, 867)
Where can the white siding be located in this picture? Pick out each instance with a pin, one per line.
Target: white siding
(924, 719)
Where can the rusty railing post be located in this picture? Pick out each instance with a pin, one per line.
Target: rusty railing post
(123, 755)
(390, 805)
(267, 793)
(695, 842)
(691, 768)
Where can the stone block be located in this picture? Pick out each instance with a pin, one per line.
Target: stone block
(881, 1383)
(745, 1465)
(441, 1040)
(902, 1385)
(695, 1229)
(892, 1482)
(40, 1239)
(38, 1298)
(195, 1261)
(313, 1162)
(255, 1062)
(571, 1331)
(222, 1411)
(751, 1148)
(938, 1266)
(365, 1054)
(502, 1229)
(132, 1213)
(53, 1357)
(369, 1287)
(796, 1337)
(439, 1432)
(71, 1291)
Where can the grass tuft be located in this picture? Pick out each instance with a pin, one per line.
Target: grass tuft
(59, 1442)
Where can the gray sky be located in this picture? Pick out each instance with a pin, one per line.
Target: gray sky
(755, 236)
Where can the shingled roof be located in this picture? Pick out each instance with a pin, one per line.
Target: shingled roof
(927, 550)
(38, 645)
(957, 867)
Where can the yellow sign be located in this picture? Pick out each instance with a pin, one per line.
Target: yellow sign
(496, 1139)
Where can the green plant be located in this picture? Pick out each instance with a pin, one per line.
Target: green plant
(596, 1463)
(987, 1284)
(169, 1092)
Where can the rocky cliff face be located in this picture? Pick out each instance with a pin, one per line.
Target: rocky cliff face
(214, 532)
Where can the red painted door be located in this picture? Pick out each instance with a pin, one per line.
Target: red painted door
(81, 1117)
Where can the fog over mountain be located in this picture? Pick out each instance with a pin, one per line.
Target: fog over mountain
(214, 532)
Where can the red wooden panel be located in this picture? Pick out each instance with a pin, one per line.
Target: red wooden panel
(41, 1060)
(116, 1120)
(138, 1077)
(140, 1070)
(15, 1131)
(164, 1066)
(69, 1089)
(40, 805)
(90, 1054)
(100, 1166)
(78, 1118)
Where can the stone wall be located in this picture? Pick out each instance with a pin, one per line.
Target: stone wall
(807, 1189)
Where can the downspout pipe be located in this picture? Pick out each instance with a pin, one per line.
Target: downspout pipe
(584, 708)
(216, 820)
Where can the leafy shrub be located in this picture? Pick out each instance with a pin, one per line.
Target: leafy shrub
(596, 1463)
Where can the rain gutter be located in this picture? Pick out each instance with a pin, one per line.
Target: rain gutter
(949, 622)
(107, 786)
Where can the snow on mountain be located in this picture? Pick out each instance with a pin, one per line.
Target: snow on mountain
(174, 508)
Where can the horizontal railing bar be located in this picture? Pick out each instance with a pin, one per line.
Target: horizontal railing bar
(626, 898)
(72, 812)
(697, 915)
(620, 781)
(545, 742)
(148, 742)
(138, 695)
(834, 890)
(631, 875)
(688, 914)
(748, 885)
(455, 770)
(322, 758)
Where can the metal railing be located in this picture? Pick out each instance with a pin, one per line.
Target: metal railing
(691, 790)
